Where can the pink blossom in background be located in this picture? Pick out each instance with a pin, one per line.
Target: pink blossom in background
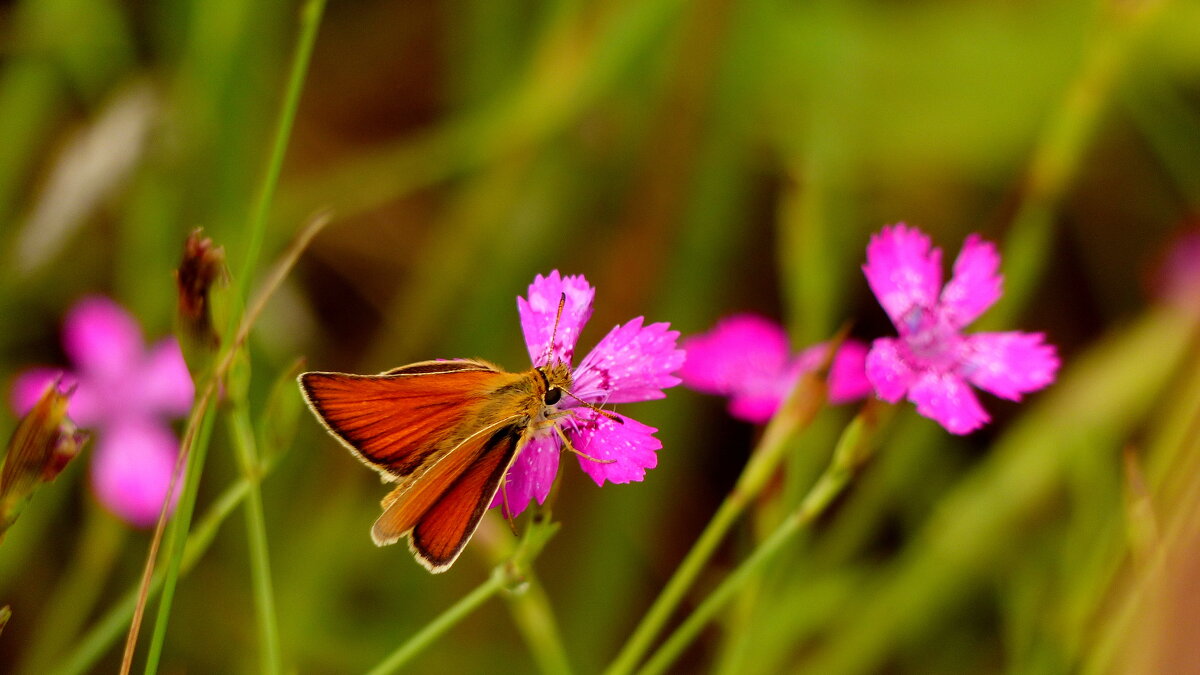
(746, 358)
(126, 394)
(1177, 279)
(931, 360)
(633, 362)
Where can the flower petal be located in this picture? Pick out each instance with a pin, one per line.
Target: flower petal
(717, 361)
(1009, 364)
(848, 373)
(756, 408)
(903, 271)
(887, 371)
(531, 475)
(102, 339)
(539, 311)
(946, 399)
(630, 445)
(31, 384)
(166, 385)
(131, 470)
(85, 407)
(632, 363)
(976, 284)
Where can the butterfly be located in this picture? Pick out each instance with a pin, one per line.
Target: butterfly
(446, 432)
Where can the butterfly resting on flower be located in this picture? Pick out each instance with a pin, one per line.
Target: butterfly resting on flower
(448, 432)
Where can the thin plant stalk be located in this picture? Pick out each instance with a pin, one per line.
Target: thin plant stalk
(531, 610)
(444, 622)
(92, 645)
(310, 21)
(177, 539)
(511, 574)
(796, 414)
(201, 411)
(852, 449)
(242, 436)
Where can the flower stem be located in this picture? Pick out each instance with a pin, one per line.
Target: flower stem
(852, 449)
(242, 436)
(797, 414)
(196, 451)
(434, 629)
(512, 574)
(93, 644)
(535, 619)
(310, 21)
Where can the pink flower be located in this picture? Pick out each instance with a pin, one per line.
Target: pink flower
(931, 360)
(746, 358)
(126, 395)
(633, 362)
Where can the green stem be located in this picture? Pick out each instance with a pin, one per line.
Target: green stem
(535, 619)
(440, 625)
(762, 465)
(513, 574)
(851, 450)
(242, 436)
(93, 644)
(196, 452)
(310, 21)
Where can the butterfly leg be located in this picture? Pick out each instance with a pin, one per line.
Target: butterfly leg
(567, 445)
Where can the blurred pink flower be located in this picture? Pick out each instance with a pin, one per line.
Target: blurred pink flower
(931, 360)
(746, 357)
(126, 395)
(1177, 279)
(633, 362)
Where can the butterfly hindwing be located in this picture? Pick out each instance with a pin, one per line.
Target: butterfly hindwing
(416, 494)
(443, 530)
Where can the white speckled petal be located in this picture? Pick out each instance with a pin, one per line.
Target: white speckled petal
(632, 363)
(629, 444)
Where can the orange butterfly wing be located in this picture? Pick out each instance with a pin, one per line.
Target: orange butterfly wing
(395, 421)
(442, 510)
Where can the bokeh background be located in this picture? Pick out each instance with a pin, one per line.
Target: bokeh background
(692, 159)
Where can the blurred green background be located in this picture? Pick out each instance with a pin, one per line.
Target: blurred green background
(691, 159)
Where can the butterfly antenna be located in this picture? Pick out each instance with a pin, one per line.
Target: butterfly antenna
(601, 411)
(562, 301)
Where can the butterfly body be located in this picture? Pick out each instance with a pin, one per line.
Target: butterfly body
(445, 432)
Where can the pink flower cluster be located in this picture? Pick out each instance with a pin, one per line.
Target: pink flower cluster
(931, 361)
(126, 395)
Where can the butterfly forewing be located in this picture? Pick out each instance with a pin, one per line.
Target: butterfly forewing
(395, 421)
(442, 532)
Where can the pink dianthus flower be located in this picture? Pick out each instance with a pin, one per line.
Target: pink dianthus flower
(931, 360)
(633, 362)
(125, 395)
(746, 357)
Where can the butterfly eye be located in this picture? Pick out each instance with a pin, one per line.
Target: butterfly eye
(552, 396)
